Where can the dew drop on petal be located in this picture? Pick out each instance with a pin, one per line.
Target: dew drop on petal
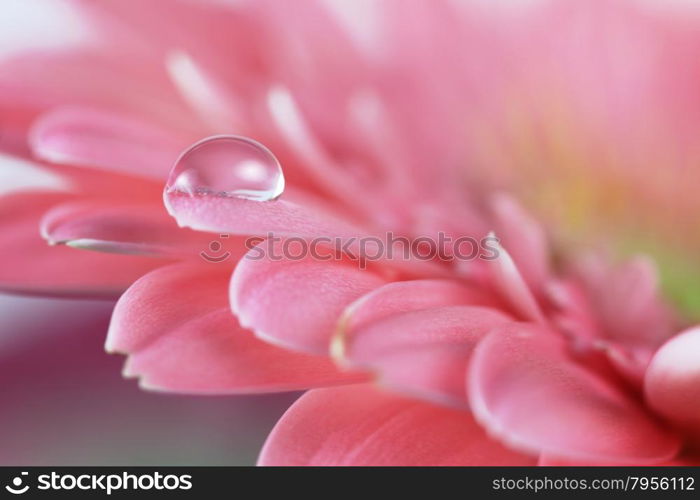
(227, 166)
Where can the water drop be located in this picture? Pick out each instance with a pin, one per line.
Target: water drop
(227, 166)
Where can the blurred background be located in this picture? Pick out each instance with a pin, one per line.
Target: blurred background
(64, 401)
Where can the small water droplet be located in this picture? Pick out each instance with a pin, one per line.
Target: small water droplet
(228, 166)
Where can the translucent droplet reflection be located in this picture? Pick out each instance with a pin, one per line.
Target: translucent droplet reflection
(229, 166)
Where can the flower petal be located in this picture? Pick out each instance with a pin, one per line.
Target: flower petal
(414, 295)
(105, 139)
(296, 303)
(179, 334)
(30, 265)
(511, 285)
(626, 300)
(524, 237)
(300, 215)
(417, 335)
(672, 380)
(216, 103)
(360, 426)
(136, 228)
(423, 353)
(240, 216)
(524, 388)
(99, 77)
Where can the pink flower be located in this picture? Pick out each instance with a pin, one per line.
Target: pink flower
(509, 360)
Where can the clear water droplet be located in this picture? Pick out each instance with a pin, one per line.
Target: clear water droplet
(227, 166)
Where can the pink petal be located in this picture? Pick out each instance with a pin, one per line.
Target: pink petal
(135, 228)
(672, 380)
(524, 389)
(240, 216)
(510, 284)
(425, 352)
(30, 265)
(300, 215)
(525, 239)
(311, 153)
(149, 308)
(571, 312)
(104, 78)
(212, 354)
(627, 301)
(179, 334)
(296, 303)
(109, 140)
(14, 127)
(216, 103)
(414, 295)
(362, 426)
(630, 362)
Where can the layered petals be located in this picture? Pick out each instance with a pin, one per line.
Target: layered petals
(626, 300)
(240, 216)
(361, 426)
(525, 238)
(423, 352)
(30, 265)
(525, 390)
(296, 303)
(512, 287)
(414, 295)
(135, 228)
(417, 336)
(179, 334)
(493, 361)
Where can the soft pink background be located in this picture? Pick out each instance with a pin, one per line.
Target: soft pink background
(64, 401)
